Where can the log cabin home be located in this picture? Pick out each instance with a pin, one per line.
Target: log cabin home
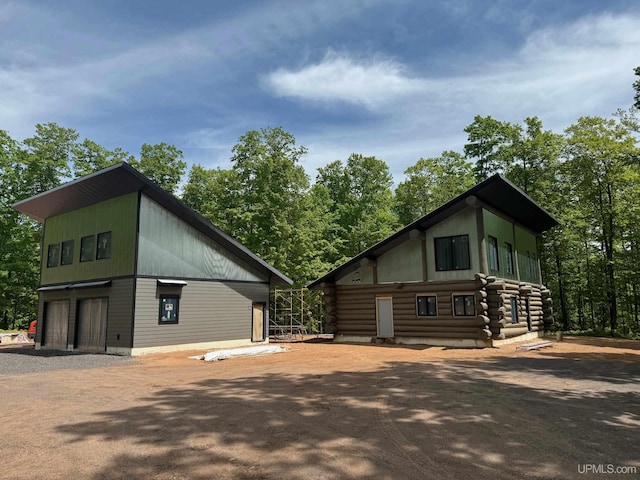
(127, 268)
(465, 275)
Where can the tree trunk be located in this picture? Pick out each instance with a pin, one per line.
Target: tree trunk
(561, 292)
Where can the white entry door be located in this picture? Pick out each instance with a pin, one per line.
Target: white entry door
(384, 316)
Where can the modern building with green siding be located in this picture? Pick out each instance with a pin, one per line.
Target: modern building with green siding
(465, 275)
(128, 269)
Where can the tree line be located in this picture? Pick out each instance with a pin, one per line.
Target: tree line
(588, 177)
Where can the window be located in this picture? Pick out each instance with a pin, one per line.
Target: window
(67, 253)
(87, 248)
(427, 306)
(452, 253)
(508, 248)
(104, 246)
(53, 255)
(514, 310)
(493, 254)
(464, 305)
(168, 309)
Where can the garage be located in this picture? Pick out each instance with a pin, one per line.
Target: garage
(92, 324)
(56, 324)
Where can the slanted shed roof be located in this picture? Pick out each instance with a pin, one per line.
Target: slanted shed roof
(496, 192)
(121, 179)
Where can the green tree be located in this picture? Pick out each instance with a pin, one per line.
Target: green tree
(264, 202)
(636, 87)
(162, 163)
(430, 183)
(600, 158)
(488, 144)
(361, 202)
(89, 157)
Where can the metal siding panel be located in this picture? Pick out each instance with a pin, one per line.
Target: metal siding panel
(208, 311)
(118, 216)
(170, 247)
(402, 264)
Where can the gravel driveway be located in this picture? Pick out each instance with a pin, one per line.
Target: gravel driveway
(26, 359)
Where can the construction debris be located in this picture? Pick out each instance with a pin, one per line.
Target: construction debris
(534, 346)
(239, 352)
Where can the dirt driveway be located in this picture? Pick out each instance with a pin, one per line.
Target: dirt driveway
(330, 411)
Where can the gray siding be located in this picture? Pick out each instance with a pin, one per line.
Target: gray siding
(209, 311)
(119, 316)
(170, 247)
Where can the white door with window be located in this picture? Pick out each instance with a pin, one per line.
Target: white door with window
(384, 316)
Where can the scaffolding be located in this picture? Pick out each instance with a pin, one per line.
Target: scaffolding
(295, 312)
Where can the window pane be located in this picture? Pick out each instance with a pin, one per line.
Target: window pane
(469, 305)
(53, 254)
(87, 248)
(432, 306)
(67, 253)
(493, 254)
(509, 255)
(422, 306)
(458, 305)
(514, 310)
(460, 245)
(104, 245)
(443, 254)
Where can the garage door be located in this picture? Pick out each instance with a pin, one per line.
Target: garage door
(56, 324)
(92, 325)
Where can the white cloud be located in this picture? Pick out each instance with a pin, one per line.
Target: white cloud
(338, 77)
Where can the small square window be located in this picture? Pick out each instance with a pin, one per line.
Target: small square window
(87, 248)
(104, 246)
(53, 255)
(464, 305)
(168, 309)
(427, 306)
(67, 253)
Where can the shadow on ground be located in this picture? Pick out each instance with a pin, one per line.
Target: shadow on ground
(505, 418)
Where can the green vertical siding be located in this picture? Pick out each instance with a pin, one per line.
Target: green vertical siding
(117, 216)
(501, 229)
(402, 264)
(168, 246)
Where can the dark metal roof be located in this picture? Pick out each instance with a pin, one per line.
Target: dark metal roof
(496, 192)
(121, 179)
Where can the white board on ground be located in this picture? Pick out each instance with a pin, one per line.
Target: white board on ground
(239, 352)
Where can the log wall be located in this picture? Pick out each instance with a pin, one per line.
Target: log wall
(351, 309)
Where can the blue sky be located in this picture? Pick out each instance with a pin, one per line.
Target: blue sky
(395, 79)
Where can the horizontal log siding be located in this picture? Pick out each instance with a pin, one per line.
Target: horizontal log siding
(356, 310)
(499, 293)
(208, 312)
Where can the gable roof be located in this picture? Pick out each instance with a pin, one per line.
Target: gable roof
(121, 179)
(496, 192)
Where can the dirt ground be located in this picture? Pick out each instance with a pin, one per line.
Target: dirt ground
(331, 411)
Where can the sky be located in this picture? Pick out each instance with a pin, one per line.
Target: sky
(397, 79)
